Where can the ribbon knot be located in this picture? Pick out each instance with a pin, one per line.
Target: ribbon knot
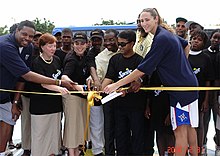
(91, 96)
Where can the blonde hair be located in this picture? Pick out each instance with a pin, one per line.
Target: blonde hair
(167, 27)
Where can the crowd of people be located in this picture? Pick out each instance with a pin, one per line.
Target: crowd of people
(154, 55)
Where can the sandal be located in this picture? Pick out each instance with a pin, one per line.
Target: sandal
(11, 145)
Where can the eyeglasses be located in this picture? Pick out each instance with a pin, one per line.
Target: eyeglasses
(123, 44)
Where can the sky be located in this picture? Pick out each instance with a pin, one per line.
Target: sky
(88, 12)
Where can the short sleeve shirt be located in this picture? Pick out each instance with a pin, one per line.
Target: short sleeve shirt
(45, 104)
(118, 68)
(11, 64)
(203, 69)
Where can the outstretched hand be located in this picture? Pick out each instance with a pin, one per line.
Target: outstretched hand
(70, 85)
(93, 85)
(110, 88)
(64, 91)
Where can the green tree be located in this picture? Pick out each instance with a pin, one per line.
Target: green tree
(110, 22)
(43, 26)
(3, 30)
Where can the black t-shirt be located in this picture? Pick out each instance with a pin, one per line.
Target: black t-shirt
(213, 56)
(203, 69)
(118, 68)
(45, 104)
(61, 54)
(76, 69)
(93, 52)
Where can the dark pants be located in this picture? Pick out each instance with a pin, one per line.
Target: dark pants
(149, 138)
(130, 132)
(207, 117)
(109, 126)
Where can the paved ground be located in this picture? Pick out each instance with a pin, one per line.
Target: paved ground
(88, 153)
(18, 152)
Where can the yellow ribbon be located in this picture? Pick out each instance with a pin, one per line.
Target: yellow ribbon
(90, 102)
(91, 96)
(28, 92)
(180, 88)
(142, 88)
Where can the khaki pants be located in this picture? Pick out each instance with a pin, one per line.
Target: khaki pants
(25, 123)
(75, 110)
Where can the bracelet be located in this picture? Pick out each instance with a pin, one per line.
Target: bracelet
(58, 82)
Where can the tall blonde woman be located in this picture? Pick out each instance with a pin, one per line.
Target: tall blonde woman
(168, 58)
